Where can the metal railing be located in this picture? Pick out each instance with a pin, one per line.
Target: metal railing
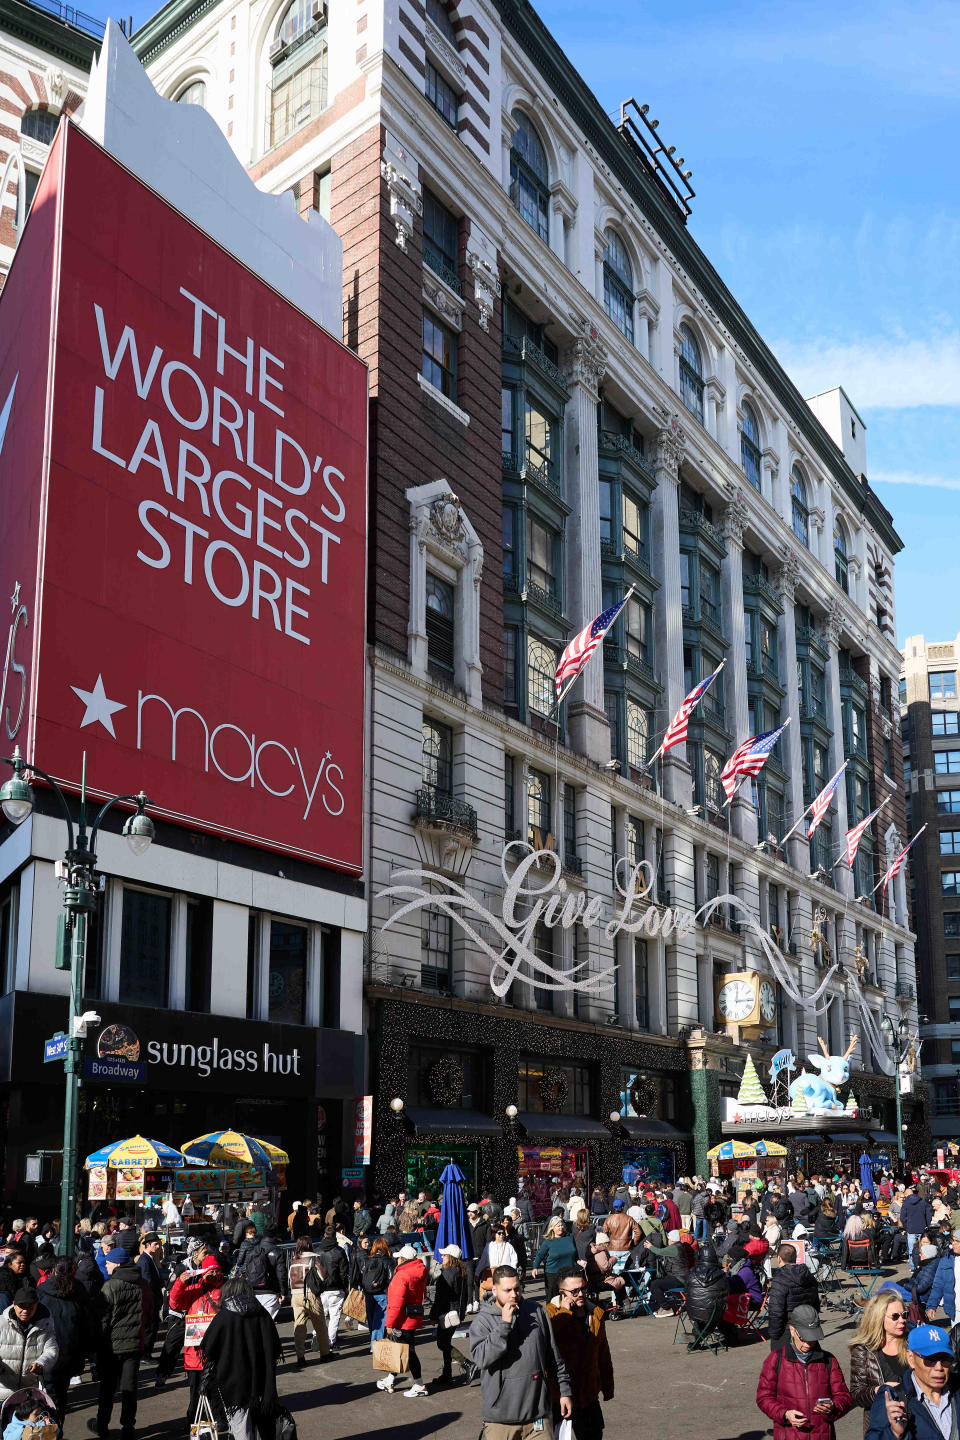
(438, 805)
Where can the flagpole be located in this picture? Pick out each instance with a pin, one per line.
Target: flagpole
(909, 847)
(574, 678)
(659, 750)
(741, 778)
(795, 828)
(843, 852)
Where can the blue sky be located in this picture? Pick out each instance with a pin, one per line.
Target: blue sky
(823, 144)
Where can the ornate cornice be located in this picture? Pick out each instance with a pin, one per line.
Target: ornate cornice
(586, 359)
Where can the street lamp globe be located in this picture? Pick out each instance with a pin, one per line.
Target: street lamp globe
(511, 1112)
(886, 1025)
(16, 799)
(615, 1117)
(396, 1105)
(140, 831)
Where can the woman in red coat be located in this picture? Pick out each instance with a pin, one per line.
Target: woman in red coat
(197, 1294)
(404, 1317)
(809, 1393)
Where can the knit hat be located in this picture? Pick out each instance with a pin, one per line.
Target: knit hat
(602, 1239)
(117, 1256)
(673, 1237)
(210, 1262)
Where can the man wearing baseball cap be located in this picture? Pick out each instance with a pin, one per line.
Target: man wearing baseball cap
(801, 1386)
(926, 1403)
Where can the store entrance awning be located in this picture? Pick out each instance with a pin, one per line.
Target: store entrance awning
(883, 1137)
(845, 1139)
(563, 1127)
(468, 1122)
(640, 1127)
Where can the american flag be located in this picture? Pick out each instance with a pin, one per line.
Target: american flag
(855, 835)
(748, 759)
(897, 865)
(582, 646)
(821, 805)
(676, 731)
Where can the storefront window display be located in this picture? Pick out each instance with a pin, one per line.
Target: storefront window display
(425, 1165)
(553, 1087)
(446, 1080)
(648, 1095)
(541, 1168)
(648, 1165)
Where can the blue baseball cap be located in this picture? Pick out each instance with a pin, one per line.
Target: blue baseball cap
(929, 1340)
(618, 1204)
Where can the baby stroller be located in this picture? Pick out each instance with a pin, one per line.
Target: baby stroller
(30, 1394)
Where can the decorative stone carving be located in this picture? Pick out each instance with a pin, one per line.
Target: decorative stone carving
(486, 287)
(833, 623)
(446, 517)
(817, 518)
(398, 170)
(587, 358)
(735, 517)
(671, 441)
(789, 577)
(55, 83)
(438, 295)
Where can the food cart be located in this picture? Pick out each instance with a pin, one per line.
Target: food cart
(124, 1173)
(746, 1162)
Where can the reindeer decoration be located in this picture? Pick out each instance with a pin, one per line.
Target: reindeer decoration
(819, 1091)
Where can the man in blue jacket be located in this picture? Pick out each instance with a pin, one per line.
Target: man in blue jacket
(927, 1403)
(915, 1216)
(944, 1289)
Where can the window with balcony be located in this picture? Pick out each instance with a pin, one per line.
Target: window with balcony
(437, 757)
(298, 60)
(818, 687)
(618, 295)
(440, 625)
(750, 446)
(541, 672)
(637, 629)
(441, 95)
(441, 238)
(943, 684)
(543, 545)
(529, 175)
(799, 507)
(946, 762)
(540, 441)
(438, 358)
(635, 526)
(685, 568)
(841, 561)
(945, 722)
(691, 372)
(641, 982)
(539, 810)
(948, 802)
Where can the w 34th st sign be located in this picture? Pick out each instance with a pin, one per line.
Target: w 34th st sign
(196, 621)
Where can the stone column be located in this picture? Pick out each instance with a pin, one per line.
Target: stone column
(668, 615)
(585, 365)
(842, 877)
(735, 671)
(797, 848)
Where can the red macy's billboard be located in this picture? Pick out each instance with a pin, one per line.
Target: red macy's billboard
(182, 521)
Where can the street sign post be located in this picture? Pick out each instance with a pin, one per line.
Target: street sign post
(56, 1047)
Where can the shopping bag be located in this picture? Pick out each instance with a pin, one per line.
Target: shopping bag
(391, 1356)
(566, 1430)
(286, 1426)
(203, 1426)
(355, 1306)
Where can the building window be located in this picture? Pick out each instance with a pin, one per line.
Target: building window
(945, 722)
(574, 1086)
(618, 284)
(436, 951)
(542, 546)
(199, 956)
(637, 629)
(438, 361)
(611, 708)
(570, 827)
(539, 816)
(955, 1052)
(712, 788)
(439, 15)
(840, 558)
(541, 672)
(437, 757)
(441, 95)
(953, 967)
(948, 802)
(799, 508)
(750, 447)
(951, 926)
(298, 84)
(287, 994)
(638, 733)
(946, 762)
(538, 439)
(543, 949)
(691, 372)
(440, 618)
(441, 237)
(943, 684)
(510, 696)
(641, 982)
(529, 177)
(145, 949)
(635, 841)
(8, 941)
(950, 882)
(710, 593)
(953, 1007)
(950, 842)
(635, 516)
(193, 94)
(509, 796)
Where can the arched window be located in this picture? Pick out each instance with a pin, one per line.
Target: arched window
(750, 446)
(712, 786)
(529, 177)
(193, 94)
(691, 372)
(39, 125)
(618, 283)
(800, 510)
(840, 556)
(541, 670)
(638, 730)
(298, 57)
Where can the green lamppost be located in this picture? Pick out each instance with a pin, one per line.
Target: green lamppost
(898, 1042)
(79, 900)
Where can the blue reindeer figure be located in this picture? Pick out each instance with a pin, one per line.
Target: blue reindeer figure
(819, 1091)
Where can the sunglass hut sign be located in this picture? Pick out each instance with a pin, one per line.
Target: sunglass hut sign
(120, 1056)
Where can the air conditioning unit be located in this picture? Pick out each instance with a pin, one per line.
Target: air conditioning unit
(277, 49)
(792, 947)
(318, 11)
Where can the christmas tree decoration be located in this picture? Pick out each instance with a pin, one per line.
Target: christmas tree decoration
(751, 1091)
(798, 1103)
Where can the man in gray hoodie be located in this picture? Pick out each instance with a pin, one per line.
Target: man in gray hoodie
(512, 1342)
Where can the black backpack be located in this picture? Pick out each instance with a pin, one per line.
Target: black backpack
(256, 1268)
(316, 1279)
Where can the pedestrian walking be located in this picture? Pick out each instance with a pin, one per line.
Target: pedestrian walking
(511, 1340)
(580, 1335)
(196, 1295)
(328, 1281)
(801, 1386)
(126, 1313)
(260, 1260)
(915, 1215)
(791, 1285)
(13, 1277)
(148, 1263)
(75, 1326)
(555, 1254)
(878, 1349)
(306, 1302)
(28, 1344)
(376, 1269)
(450, 1302)
(404, 1317)
(241, 1348)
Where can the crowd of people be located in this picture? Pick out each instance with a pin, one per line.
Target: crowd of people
(211, 1305)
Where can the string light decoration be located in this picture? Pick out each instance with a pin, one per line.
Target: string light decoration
(554, 1089)
(645, 1097)
(446, 1081)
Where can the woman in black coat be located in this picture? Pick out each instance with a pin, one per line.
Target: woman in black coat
(241, 1349)
(75, 1325)
(449, 1306)
(707, 1290)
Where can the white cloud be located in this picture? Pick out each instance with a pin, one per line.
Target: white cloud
(894, 372)
(909, 477)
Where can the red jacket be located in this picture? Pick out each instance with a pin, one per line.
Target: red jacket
(199, 1296)
(405, 1292)
(786, 1384)
(757, 1248)
(673, 1215)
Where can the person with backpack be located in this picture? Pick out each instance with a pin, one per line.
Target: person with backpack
(328, 1280)
(260, 1261)
(801, 1386)
(126, 1309)
(307, 1309)
(375, 1271)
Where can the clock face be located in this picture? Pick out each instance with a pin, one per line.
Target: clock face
(768, 1001)
(736, 1000)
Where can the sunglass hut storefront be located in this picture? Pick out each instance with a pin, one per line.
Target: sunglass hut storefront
(173, 1076)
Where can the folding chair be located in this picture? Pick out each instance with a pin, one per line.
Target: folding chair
(707, 1336)
(738, 1315)
(871, 1273)
(683, 1330)
(638, 1288)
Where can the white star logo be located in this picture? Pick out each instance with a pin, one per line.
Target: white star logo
(99, 708)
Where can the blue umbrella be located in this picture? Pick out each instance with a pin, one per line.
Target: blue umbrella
(866, 1175)
(454, 1228)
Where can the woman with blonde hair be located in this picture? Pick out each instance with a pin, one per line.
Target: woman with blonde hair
(857, 1246)
(878, 1349)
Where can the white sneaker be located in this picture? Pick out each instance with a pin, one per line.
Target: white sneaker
(76, 1380)
(415, 1391)
(386, 1383)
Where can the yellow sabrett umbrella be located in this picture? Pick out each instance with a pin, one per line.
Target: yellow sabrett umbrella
(731, 1150)
(227, 1147)
(137, 1152)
